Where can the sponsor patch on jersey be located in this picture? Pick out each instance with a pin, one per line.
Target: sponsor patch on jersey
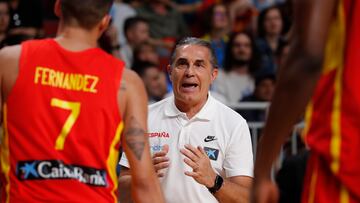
(56, 169)
(156, 148)
(212, 153)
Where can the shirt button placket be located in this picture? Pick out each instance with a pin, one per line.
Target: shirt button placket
(182, 132)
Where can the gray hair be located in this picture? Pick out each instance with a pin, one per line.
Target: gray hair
(194, 41)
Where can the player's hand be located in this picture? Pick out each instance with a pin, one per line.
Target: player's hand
(198, 160)
(264, 191)
(160, 160)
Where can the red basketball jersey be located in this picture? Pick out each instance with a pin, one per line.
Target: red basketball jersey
(62, 126)
(334, 111)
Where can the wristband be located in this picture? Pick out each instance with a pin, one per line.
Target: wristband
(217, 184)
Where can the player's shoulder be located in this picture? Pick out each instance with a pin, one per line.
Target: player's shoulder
(9, 56)
(10, 52)
(129, 76)
(133, 85)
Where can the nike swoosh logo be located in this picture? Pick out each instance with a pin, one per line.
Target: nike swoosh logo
(209, 139)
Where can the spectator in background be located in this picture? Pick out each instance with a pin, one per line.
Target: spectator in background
(270, 40)
(4, 20)
(235, 81)
(166, 24)
(192, 12)
(26, 18)
(153, 78)
(243, 16)
(186, 6)
(136, 31)
(264, 89)
(263, 4)
(135, 3)
(109, 41)
(146, 52)
(217, 23)
(121, 11)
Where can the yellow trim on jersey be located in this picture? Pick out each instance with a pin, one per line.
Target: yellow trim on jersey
(5, 155)
(313, 182)
(112, 160)
(308, 116)
(335, 58)
(335, 142)
(334, 49)
(344, 195)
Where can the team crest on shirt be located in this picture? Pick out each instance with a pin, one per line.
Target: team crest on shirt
(212, 153)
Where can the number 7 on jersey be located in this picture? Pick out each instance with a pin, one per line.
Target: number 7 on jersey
(74, 107)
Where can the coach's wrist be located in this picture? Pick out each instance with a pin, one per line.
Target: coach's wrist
(218, 183)
(211, 180)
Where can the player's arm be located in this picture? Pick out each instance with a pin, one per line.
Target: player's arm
(297, 80)
(125, 185)
(9, 57)
(145, 186)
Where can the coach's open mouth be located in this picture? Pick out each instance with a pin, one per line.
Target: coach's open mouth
(189, 85)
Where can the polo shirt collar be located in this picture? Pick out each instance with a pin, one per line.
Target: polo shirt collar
(170, 109)
(206, 112)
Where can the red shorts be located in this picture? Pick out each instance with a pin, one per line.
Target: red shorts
(320, 185)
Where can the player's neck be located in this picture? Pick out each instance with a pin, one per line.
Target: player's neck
(76, 39)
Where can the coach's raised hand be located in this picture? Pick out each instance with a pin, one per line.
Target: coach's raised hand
(198, 160)
(161, 161)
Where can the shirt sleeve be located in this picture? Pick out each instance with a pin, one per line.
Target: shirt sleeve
(239, 155)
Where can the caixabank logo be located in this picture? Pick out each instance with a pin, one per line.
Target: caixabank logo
(56, 169)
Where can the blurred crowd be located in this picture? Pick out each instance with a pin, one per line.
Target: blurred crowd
(249, 37)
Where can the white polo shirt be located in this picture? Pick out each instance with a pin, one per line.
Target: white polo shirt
(222, 132)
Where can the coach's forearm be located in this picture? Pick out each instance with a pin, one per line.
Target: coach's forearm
(234, 192)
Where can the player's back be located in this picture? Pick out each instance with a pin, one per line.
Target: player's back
(334, 112)
(62, 126)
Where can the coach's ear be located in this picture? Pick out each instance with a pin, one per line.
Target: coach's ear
(57, 8)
